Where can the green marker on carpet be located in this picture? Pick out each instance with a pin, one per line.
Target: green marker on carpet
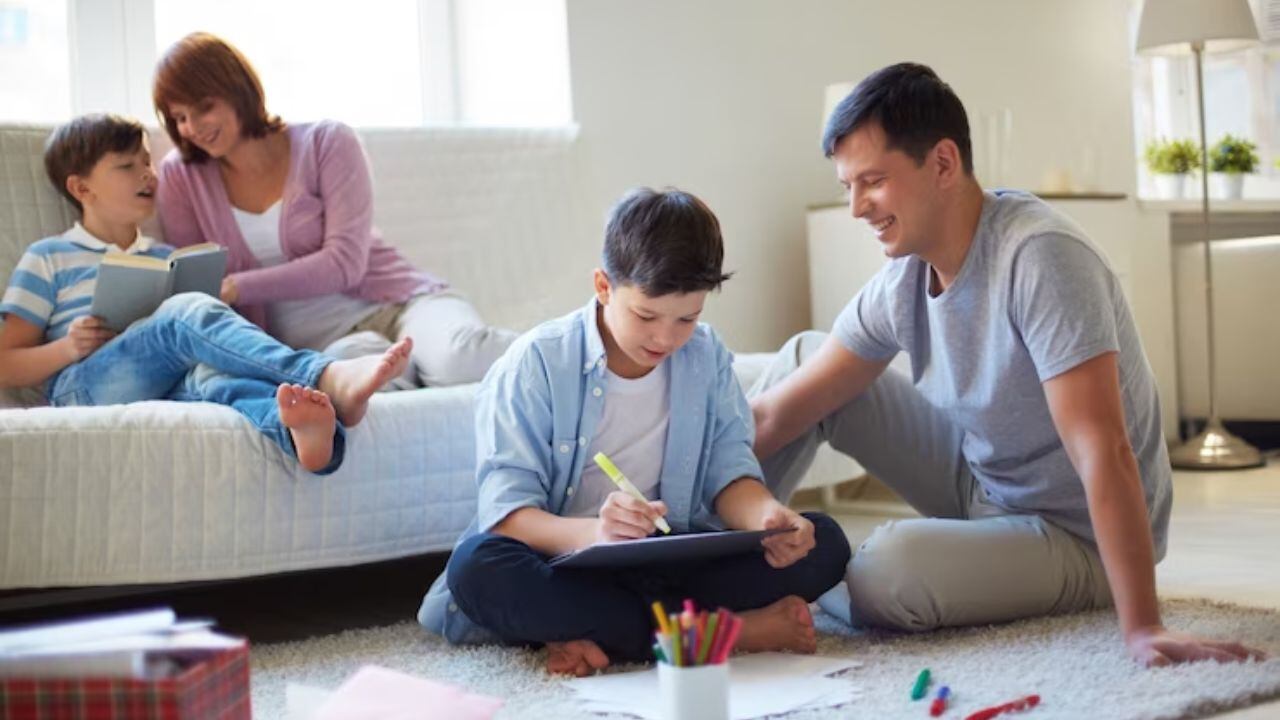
(922, 685)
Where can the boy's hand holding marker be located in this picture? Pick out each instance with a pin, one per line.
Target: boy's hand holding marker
(625, 518)
(627, 514)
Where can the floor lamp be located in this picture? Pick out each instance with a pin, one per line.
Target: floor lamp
(1176, 27)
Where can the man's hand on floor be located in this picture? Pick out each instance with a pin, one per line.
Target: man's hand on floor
(1158, 647)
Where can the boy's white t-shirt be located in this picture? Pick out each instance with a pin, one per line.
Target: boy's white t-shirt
(310, 322)
(633, 433)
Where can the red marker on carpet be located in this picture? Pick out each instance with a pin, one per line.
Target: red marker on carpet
(1025, 703)
(939, 704)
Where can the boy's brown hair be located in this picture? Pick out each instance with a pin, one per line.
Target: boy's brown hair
(202, 66)
(76, 146)
(663, 241)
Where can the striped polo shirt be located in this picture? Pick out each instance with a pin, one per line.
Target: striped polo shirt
(53, 282)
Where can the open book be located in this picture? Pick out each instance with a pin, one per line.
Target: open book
(128, 645)
(132, 286)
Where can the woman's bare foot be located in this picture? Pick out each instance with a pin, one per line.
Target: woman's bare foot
(310, 418)
(350, 383)
(784, 625)
(575, 657)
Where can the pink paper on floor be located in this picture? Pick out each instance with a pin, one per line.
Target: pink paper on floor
(377, 693)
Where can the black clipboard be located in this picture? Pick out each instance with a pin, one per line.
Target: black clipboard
(665, 549)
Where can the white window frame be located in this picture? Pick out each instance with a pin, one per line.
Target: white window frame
(438, 50)
(112, 48)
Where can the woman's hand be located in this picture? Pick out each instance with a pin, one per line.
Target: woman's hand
(626, 518)
(230, 293)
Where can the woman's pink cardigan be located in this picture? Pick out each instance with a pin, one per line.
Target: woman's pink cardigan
(326, 225)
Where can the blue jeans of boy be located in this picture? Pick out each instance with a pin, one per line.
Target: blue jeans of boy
(195, 348)
(508, 587)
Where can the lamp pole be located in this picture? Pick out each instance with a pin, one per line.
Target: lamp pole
(1197, 49)
(1214, 448)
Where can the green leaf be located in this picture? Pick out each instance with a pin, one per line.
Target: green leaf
(1172, 157)
(1233, 155)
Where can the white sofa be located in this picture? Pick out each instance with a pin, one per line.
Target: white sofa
(160, 492)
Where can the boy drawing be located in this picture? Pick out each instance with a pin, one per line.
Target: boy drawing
(635, 376)
(193, 348)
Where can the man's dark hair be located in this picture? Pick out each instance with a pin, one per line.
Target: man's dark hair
(76, 146)
(663, 242)
(913, 106)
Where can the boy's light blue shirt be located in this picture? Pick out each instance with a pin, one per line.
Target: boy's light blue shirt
(53, 282)
(537, 411)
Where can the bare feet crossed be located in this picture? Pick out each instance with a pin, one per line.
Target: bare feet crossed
(575, 657)
(310, 418)
(350, 383)
(785, 625)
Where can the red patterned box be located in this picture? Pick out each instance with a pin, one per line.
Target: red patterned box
(214, 689)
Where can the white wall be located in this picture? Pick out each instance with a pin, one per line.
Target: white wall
(724, 98)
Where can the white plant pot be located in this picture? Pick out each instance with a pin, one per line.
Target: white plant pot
(1228, 186)
(1170, 186)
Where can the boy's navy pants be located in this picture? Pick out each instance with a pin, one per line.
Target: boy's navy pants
(508, 587)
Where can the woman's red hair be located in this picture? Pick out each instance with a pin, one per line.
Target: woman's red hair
(202, 66)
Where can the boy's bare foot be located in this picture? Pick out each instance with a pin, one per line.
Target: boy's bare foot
(310, 418)
(784, 625)
(350, 383)
(575, 657)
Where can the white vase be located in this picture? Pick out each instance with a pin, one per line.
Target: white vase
(1228, 186)
(1170, 186)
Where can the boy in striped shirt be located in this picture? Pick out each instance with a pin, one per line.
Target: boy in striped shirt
(193, 348)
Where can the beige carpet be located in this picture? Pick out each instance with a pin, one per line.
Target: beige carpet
(1075, 663)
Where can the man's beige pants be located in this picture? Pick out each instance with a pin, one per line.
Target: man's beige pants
(966, 562)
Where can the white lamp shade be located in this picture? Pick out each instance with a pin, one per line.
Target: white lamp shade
(1168, 27)
(831, 98)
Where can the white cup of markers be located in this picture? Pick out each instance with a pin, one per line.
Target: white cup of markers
(692, 649)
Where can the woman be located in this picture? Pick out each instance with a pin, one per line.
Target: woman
(293, 204)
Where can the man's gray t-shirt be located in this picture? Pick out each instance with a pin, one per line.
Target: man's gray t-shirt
(1033, 299)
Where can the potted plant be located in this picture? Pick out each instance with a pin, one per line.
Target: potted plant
(1170, 162)
(1230, 160)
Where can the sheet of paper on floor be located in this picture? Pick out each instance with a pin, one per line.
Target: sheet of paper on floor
(760, 685)
(375, 693)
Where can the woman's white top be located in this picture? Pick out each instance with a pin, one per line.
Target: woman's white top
(313, 322)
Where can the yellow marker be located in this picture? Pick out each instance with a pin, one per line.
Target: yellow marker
(625, 486)
(660, 613)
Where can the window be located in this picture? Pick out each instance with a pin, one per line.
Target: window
(35, 85)
(1271, 100)
(384, 63)
(513, 62)
(1242, 98)
(358, 62)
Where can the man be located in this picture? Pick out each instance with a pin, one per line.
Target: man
(1028, 434)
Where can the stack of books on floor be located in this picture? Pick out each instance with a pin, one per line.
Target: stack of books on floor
(133, 665)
